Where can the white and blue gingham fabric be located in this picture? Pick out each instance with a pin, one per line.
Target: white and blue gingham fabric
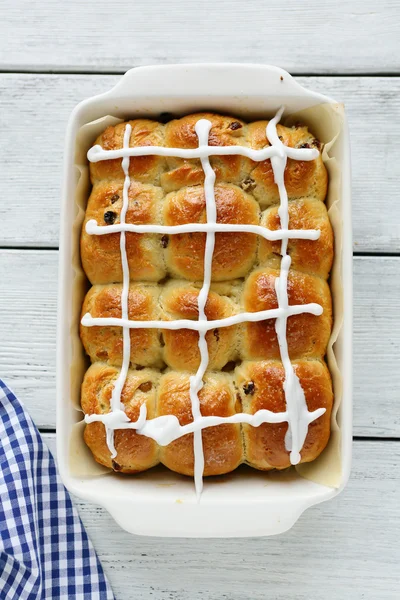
(45, 552)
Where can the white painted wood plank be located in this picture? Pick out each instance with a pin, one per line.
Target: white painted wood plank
(28, 340)
(304, 37)
(346, 548)
(33, 114)
(34, 111)
(28, 312)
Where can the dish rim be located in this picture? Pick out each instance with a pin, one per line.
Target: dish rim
(209, 518)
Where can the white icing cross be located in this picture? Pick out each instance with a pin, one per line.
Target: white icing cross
(166, 429)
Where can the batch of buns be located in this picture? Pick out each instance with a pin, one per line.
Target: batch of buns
(244, 373)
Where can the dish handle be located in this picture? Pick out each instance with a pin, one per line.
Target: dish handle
(187, 80)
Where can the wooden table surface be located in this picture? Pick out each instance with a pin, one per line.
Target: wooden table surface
(54, 54)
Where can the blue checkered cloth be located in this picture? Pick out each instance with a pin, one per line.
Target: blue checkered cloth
(45, 552)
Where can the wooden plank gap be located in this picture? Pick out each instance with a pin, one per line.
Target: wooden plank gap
(76, 71)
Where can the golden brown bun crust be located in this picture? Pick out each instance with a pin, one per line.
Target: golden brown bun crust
(157, 348)
(105, 343)
(151, 257)
(301, 178)
(312, 256)
(234, 253)
(145, 169)
(135, 452)
(180, 301)
(307, 334)
(101, 254)
(166, 273)
(265, 445)
(222, 445)
(224, 394)
(225, 131)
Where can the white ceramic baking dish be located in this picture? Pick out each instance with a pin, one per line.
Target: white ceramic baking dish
(247, 503)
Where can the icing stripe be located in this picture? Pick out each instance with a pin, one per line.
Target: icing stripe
(167, 429)
(272, 235)
(96, 153)
(296, 405)
(202, 129)
(120, 382)
(262, 315)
